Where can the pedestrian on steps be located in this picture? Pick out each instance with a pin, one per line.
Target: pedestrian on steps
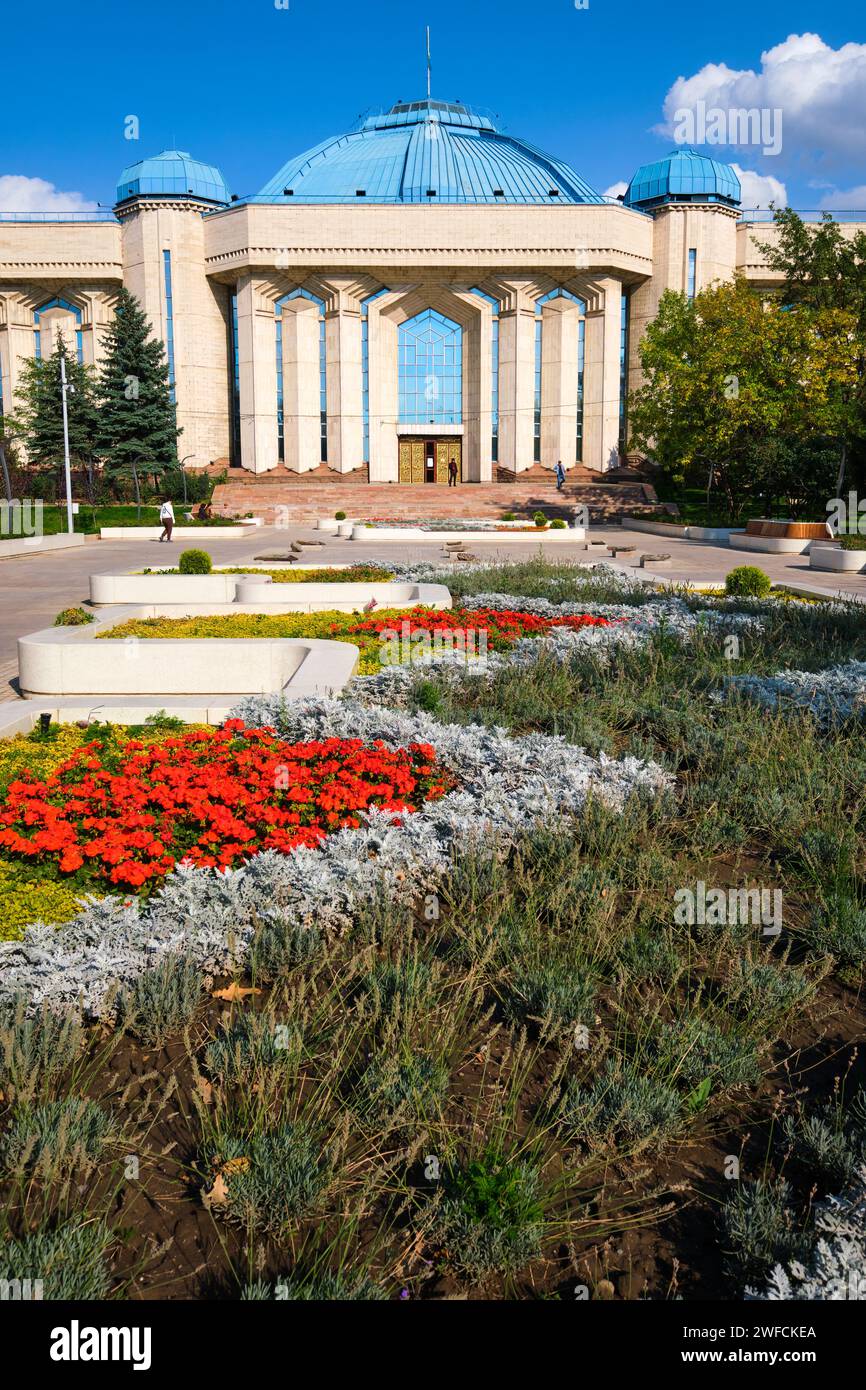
(452, 473)
(559, 474)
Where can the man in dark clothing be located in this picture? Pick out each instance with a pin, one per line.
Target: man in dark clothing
(452, 473)
(559, 474)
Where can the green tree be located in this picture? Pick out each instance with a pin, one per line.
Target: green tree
(825, 268)
(726, 374)
(137, 419)
(37, 422)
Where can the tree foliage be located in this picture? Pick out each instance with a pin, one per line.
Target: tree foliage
(38, 419)
(739, 392)
(137, 419)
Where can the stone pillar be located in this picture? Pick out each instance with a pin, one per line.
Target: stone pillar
(601, 379)
(559, 337)
(200, 317)
(258, 377)
(384, 394)
(302, 426)
(516, 385)
(344, 387)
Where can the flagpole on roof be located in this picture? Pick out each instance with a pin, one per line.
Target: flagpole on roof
(428, 62)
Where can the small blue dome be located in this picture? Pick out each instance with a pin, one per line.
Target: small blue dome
(173, 174)
(683, 176)
(427, 152)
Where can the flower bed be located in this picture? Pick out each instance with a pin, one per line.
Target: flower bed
(125, 815)
(500, 786)
(287, 574)
(501, 627)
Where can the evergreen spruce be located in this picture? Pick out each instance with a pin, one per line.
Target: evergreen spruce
(137, 420)
(38, 420)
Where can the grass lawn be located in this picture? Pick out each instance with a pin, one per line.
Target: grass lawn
(90, 519)
(537, 1078)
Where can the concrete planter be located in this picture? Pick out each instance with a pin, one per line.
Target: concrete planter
(833, 557)
(196, 595)
(180, 533)
(720, 535)
(771, 545)
(71, 662)
(417, 533)
(37, 545)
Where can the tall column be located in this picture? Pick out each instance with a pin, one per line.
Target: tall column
(384, 392)
(517, 384)
(302, 426)
(602, 378)
(258, 377)
(344, 388)
(561, 320)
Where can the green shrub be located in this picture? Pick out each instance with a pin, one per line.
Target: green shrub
(692, 1050)
(194, 562)
(491, 1214)
(621, 1106)
(71, 1261)
(412, 1084)
(558, 524)
(26, 898)
(758, 1230)
(36, 1051)
(56, 1136)
(852, 542)
(552, 994)
(540, 519)
(280, 947)
(838, 928)
(508, 516)
(828, 1150)
(161, 1001)
(252, 1045)
(747, 581)
(270, 1179)
(339, 516)
(73, 617)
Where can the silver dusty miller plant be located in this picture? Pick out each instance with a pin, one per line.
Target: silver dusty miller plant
(837, 1267)
(506, 785)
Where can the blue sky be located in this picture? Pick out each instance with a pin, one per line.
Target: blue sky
(246, 85)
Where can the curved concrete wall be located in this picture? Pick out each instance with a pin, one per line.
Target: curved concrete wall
(256, 592)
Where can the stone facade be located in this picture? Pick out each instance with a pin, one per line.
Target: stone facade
(364, 270)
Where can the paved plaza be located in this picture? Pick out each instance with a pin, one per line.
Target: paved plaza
(34, 588)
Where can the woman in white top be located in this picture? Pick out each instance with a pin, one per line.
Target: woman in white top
(166, 516)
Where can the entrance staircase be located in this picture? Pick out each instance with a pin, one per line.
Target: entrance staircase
(303, 498)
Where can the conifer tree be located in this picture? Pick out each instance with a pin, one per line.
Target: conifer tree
(137, 418)
(38, 418)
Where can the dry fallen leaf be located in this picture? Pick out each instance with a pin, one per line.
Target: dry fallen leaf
(234, 992)
(205, 1090)
(218, 1195)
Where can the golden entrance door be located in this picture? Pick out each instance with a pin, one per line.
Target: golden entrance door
(411, 461)
(414, 453)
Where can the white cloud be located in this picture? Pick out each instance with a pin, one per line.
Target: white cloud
(820, 91)
(845, 198)
(21, 194)
(759, 190)
(616, 189)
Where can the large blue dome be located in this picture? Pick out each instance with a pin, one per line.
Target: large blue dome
(426, 152)
(174, 173)
(683, 176)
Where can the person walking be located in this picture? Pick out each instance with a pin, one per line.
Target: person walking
(452, 473)
(559, 474)
(166, 516)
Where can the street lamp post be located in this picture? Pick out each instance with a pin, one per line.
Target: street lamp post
(64, 388)
(183, 473)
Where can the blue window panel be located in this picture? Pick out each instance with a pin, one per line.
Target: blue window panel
(169, 321)
(323, 372)
(693, 270)
(431, 379)
(234, 357)
(581, 354)
(57, 303)
(623, 371)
